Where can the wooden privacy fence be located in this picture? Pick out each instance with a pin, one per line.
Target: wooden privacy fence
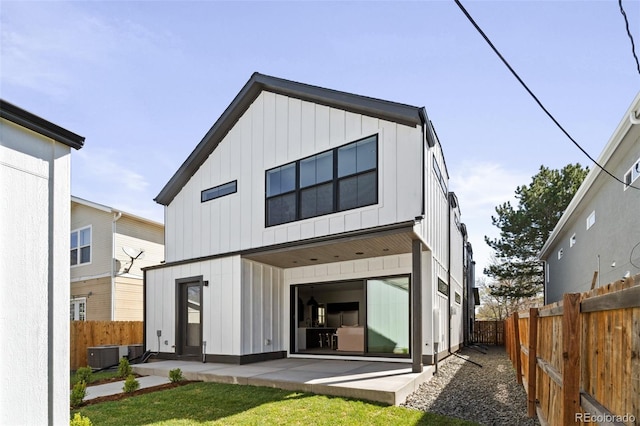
(86, 334)
(488, 332)
(579, 359)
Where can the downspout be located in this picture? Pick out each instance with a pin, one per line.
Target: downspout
(449, 270)
(116, 215)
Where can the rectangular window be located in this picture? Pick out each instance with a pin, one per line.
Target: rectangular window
(458, 298)
(81, 246)
(560, 253)
(443, 287)
(219, 191)
(78, 309)
(632, 175)
(439, 176)
(340, 179)
(591, 220)
(572, 240)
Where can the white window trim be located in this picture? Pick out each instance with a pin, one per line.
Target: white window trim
(560, 254)
(591, 219)
(572, 240)
(90, 227)
(633, 173)
(76, 302)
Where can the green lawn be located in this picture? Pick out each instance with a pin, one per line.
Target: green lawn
(216, 404)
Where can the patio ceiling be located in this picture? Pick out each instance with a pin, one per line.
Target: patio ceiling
(337, 250)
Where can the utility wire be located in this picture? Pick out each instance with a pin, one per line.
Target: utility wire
(515, 74)
(633, 46)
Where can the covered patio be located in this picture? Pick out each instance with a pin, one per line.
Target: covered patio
(384, 382)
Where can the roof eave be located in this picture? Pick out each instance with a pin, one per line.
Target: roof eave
(38, 124)
(616, 138)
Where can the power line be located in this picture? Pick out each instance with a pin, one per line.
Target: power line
(633, 46)
(515, 74)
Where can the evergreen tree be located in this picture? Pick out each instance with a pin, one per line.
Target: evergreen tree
(525, 229)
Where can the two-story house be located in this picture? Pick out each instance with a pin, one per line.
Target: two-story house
(598, 234)
(309, 222)
(108, 248)
(35, 164)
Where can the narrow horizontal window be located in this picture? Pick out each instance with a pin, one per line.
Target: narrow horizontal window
(219, 191)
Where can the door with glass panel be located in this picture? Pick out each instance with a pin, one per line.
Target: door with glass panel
(388, 316)
(189, 310)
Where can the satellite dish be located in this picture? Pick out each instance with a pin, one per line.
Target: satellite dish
(134, 255)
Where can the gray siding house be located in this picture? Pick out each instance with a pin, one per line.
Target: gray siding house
(600, 229)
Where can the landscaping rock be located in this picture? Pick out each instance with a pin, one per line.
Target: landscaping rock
(489, 395)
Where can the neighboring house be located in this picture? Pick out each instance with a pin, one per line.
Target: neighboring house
(309, 223)
(599, 231)
(35, 165)
(108, 249)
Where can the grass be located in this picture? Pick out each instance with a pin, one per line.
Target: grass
(217, 404)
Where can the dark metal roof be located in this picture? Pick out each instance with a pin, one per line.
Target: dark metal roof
(40, 125)
(392, 111)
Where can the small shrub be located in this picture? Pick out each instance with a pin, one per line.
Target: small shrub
(83, 374)
(80, 420)
(131, 384)
(124, 369)
(176, 375)
(78, 393)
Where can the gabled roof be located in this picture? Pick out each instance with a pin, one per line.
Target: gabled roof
(38, 124)
(392, 111)
(108, 209)
(615, 140)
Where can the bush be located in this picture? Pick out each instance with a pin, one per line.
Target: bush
(124, 369)
(83, 374)
(78, 393)
(79, 420)
(131, 384)
(176, 375)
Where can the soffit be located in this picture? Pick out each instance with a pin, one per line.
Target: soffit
(337, 250)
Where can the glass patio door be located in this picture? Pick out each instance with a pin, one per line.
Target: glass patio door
(388, 315)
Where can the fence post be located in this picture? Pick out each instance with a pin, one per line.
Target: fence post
(495, 338)
(533, 345)
(517, 349)
(571, 335)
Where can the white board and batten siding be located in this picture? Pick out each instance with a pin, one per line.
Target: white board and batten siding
(242, 306)
(274, 131)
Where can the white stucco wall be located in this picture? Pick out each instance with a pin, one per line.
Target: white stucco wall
(34, 273)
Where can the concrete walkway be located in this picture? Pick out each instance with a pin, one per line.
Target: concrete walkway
(385, 382)
(114, 388)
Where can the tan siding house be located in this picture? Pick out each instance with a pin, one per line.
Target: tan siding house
(105, 283)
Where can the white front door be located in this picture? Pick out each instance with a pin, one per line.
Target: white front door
(78, 309)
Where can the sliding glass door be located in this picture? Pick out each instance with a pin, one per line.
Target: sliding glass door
(388, 315)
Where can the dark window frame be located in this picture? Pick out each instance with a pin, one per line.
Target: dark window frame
(443, 287)
(218, 189)
(334, 181)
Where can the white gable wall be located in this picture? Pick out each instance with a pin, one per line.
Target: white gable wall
(276, 130)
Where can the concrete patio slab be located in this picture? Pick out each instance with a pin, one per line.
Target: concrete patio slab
(385, 382)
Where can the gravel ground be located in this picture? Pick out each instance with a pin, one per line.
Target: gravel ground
(489, 395)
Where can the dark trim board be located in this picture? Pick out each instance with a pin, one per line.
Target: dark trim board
(225, 359)
(39, 125)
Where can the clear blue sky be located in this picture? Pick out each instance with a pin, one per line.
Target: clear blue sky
(144, 81)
